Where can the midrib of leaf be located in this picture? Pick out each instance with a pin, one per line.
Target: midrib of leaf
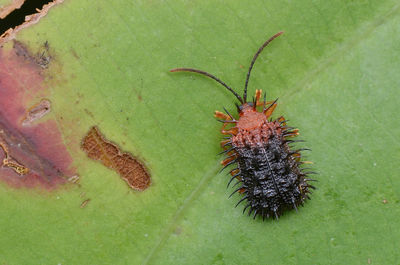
(205, 180)
(361, 33)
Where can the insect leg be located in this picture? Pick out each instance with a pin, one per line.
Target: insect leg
(221, 116)
(268, 111)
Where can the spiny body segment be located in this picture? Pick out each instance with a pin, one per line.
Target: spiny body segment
(269, 173)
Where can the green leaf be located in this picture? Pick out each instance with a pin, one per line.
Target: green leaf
(335, 71)
(4, 3)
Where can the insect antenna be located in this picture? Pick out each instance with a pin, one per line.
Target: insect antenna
(211, 76)
(254, 60)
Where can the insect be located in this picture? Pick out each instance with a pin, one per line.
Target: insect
(269, 173)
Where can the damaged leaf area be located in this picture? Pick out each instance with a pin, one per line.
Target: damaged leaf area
(36, 112)
(128, 167)
(7, 9)
(41, 58)
(29, 18)
(335, 72)
(31, 147)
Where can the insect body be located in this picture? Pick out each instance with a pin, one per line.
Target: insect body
(269, 173)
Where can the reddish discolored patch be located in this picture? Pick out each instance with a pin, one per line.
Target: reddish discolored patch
(33, 155)
(129, 168)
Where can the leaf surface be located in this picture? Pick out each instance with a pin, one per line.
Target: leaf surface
(335, 71)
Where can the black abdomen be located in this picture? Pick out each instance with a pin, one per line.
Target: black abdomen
(270, 177)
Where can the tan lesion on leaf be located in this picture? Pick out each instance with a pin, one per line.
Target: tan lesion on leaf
(10, 162)
(36, 112)
(128, 167)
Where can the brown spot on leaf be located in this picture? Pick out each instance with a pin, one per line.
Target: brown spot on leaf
(73, 52)
(30, 155)
(10, 162)
(84, 203)
(41, 58)
(129, 168)
(88, 112)
(21, 50)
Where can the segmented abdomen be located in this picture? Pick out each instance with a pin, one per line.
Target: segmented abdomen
(269, 174)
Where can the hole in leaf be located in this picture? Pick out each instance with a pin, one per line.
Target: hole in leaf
(17, 17)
